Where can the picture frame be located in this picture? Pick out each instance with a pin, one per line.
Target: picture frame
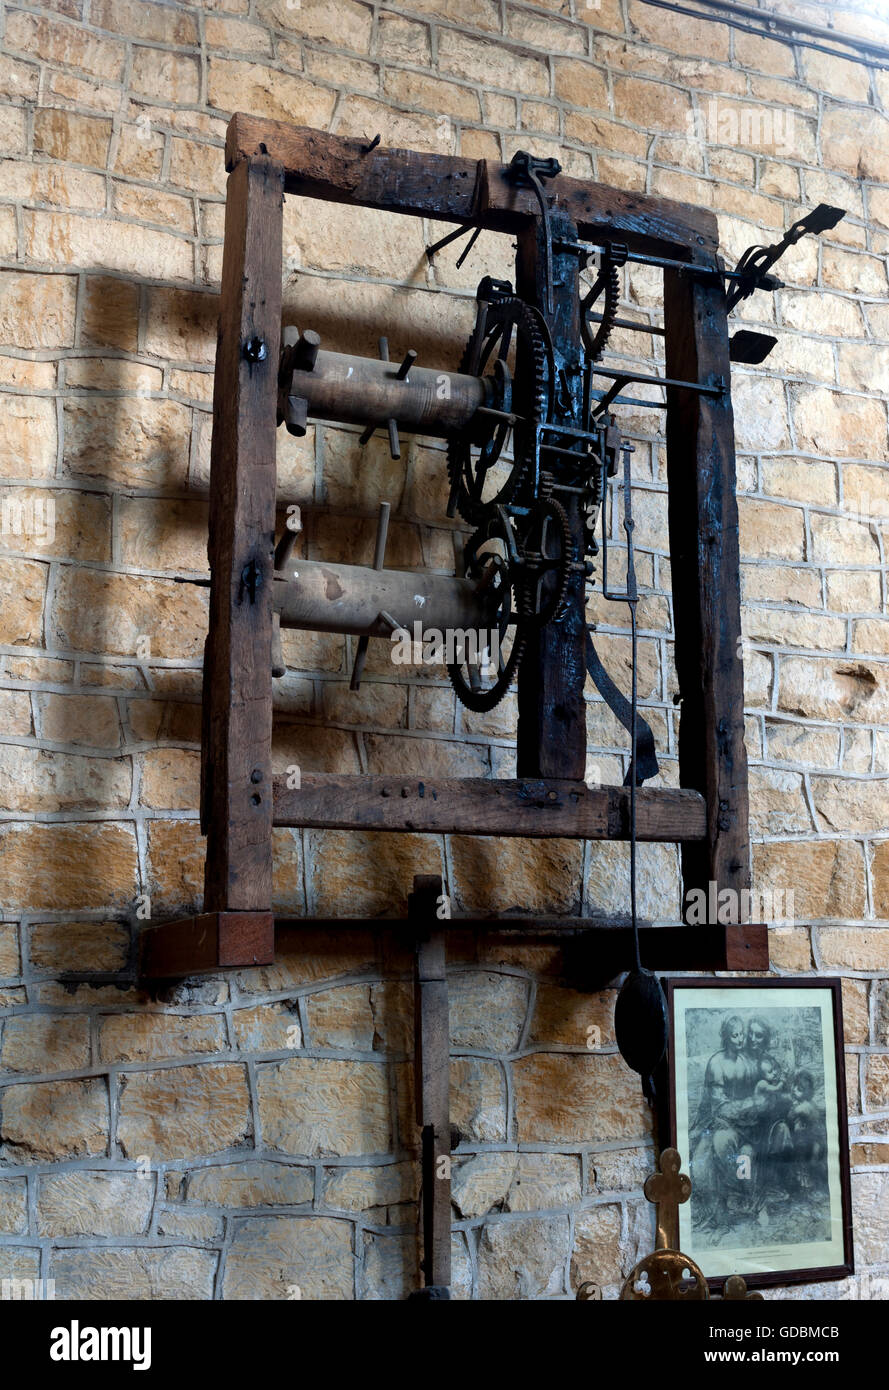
(757, 1109)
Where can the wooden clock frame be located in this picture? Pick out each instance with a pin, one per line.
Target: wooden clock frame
(240, 799)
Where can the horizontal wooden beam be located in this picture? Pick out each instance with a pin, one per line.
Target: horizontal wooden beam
(595, 950)
(454, 189)
(736, 946)
(208, 942)
(541, 808)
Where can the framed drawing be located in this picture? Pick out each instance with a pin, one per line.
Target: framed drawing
(758, 1112)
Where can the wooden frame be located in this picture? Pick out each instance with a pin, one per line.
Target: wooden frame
(236, 744)
(833, 986)
(240, 801)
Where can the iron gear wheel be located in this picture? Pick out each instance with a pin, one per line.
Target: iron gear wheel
(547, 553)
(491, 560)
(476, 449)
(607, 282)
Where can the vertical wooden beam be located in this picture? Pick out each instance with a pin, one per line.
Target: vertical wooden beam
(551, 737)
(432, 1082)
(704, 557)
(236, 797)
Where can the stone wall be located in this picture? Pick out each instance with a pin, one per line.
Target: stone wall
(252, 1134)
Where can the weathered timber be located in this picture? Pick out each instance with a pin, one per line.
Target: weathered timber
(236, 798)
(453, 189)
(597, 950)
(705, 563)
(551, 733)
(211, 941)
(536, 808)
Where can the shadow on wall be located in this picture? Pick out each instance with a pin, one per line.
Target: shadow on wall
(131, 514)
(126, 747)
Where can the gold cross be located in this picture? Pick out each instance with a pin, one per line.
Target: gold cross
(667, 1189)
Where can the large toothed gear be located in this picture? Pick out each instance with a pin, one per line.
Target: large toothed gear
(547, 554)
(607, 288)
(477, 449)
(490, 559)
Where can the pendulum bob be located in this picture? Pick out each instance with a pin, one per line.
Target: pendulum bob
(640, 1022)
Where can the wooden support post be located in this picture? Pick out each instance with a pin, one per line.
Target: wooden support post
(551, 737)
(704, 556)
(432, 1083)
(236, 791)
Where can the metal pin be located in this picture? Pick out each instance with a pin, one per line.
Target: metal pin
(410, 358)
(379, 558)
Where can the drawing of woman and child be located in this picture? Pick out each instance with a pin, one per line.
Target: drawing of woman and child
(758, 1138)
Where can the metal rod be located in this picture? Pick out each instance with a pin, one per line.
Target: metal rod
(468, 247)
(573, 431)
(504, 415)
(629, 400)
(646, 377)
(588, 248)
(632, 601)
(610, 395)
(564, 452)
(446, 240)
(379, 559)
(879, 60)
(410, 358)
(633, 326)
(800, 26)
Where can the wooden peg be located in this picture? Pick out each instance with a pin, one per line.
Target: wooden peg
(279, 665)
(284, 548)
(305, 353)
(296, 410)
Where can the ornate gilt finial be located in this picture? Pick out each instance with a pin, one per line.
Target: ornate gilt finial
(667, 1273)
(668, 1189)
